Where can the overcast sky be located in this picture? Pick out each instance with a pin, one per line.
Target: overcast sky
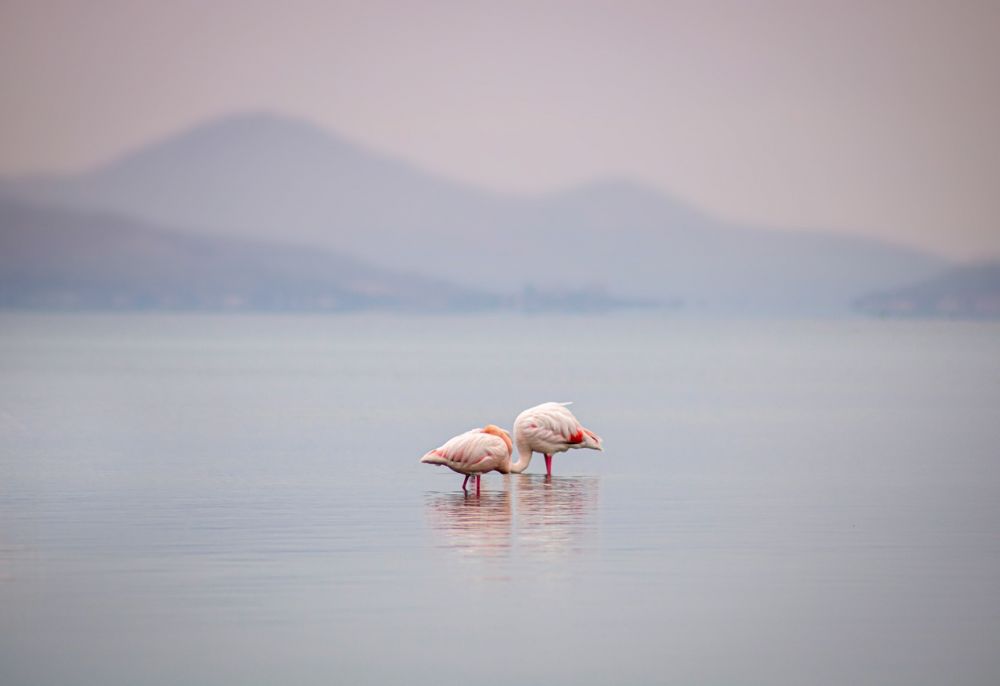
(878, 118)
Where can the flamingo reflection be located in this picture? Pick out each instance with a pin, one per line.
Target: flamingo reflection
(556, 515)
(473, 525)
(534, 515)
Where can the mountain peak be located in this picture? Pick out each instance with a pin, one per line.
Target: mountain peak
(254, 123)
(247, 137)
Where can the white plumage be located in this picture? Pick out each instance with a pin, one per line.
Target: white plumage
(475, 453)
(550, 428)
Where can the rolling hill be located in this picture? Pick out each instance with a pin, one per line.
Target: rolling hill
(971, 292)
(72, 259)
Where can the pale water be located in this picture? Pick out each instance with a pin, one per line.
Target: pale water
(238, 500)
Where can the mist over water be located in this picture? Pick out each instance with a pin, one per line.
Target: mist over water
(207, 500)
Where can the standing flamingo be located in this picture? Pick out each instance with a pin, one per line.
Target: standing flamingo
(550, 428)
(476, 452)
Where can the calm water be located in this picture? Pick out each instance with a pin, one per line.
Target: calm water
(237, 500)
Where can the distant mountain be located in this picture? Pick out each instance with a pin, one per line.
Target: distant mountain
(968, 292)
(65, 259)
(282, 180)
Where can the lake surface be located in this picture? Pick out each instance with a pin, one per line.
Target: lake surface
(238, 500)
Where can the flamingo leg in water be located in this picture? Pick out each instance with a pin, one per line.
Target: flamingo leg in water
(478, 478)
(548, 465)
(465, 482)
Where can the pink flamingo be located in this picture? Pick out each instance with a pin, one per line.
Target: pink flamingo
(476, 452)
(550, 428)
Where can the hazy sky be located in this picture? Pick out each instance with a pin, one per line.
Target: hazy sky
(874, 117)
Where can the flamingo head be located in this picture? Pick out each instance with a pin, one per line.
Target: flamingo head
(592, 440)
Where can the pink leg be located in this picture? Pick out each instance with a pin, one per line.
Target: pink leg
(478, 479)
(465, 482)
(548, 465)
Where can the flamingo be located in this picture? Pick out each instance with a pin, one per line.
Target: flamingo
(550, 428)
(476, 452)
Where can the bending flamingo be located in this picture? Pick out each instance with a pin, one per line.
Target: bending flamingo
(476, 452)
(550, 428)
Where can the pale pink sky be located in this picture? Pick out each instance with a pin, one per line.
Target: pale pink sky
(879, 118)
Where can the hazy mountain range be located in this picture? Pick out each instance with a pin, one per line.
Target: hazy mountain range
(972, 291)
(336, 215)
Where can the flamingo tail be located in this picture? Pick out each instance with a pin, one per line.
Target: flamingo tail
(433, 458)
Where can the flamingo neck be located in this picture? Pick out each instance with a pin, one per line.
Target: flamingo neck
(523, 458)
